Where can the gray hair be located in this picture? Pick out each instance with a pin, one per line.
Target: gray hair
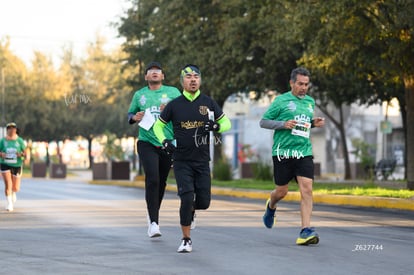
(299, 71)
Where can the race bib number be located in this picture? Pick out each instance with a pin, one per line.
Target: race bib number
(10, 158)
(302, 129)
(11, 155)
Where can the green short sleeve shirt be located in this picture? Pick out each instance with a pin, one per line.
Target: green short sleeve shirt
(146, 99)
(292, 143)
(12, 148)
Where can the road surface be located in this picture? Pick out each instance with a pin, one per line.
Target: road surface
(66, 226)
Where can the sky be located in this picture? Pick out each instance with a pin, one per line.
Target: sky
(49, 25)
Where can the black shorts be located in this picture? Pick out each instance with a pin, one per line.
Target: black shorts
(16, 171)
(192, 176)
(284, 170)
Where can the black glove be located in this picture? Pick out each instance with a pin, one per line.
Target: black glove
(211, 126)
(168, 146)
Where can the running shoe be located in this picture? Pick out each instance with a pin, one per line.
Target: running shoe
(193, 220)
(269, 218)
(154, 230)
(307, 236)
(186, 246)
(9, 207)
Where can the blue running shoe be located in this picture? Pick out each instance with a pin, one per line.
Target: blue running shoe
(307, 236)
(269, 218)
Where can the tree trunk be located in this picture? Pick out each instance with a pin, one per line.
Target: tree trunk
(90, 138)
(340, 126)
(344, 144)
(403, 109)
(134, 155)
(409, 101)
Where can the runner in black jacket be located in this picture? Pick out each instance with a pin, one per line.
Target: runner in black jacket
(189, 114)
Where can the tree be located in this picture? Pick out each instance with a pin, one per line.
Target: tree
(372, 50)
(84, 97)
(13, 83)
(229, 40)
(358, 51)
(98, 100)
(233, 42)
(43, 118)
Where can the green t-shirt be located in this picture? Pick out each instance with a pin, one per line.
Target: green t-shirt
(146, 99)
(11, 148)
(292, 143)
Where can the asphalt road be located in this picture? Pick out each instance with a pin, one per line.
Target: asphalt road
(71, 227)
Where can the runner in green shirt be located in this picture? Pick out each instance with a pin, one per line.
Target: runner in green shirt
(291, 117)
(145, 108)
(12, 152)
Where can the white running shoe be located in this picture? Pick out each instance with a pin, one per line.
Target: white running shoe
(186, 246)
(193, 221)
(14, 198)
(154, 230)
(9, 207)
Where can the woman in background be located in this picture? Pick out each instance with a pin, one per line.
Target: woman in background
(12, 150)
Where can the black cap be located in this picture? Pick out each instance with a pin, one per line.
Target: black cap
(190, 68)
(153, 64)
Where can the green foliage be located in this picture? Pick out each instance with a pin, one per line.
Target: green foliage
(112, 148)
(353, 63)
(357, 51)
(366, 191)
(233, 42)
(81, 98)
(222, 170)
(333, 188)
(364, 153)
(245, 184)
(262, 171)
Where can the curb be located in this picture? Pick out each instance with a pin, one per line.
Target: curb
(362, 201)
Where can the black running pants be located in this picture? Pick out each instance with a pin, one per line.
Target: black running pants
(157, 164)
(194, 187)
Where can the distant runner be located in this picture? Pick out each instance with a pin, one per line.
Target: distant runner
(12, 153)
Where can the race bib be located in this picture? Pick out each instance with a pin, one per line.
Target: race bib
(302, 129)
(10, 158)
